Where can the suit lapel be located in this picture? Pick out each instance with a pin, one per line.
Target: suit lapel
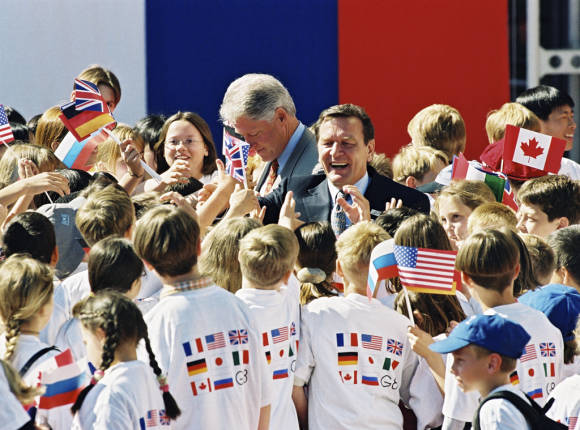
(315, 205)
(263, 176)
(288, 169)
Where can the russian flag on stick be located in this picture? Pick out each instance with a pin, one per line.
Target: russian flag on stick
(382, 266)
(63, 383)
(75, 154)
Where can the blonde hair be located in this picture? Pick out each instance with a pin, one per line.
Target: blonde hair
(354, 248)
(470, 193)
(106, 212)
(439, 126)
(167, 238)
(108, 152)
(491, 215)
(98, 75)
(382, 164)
(219, 252)
(24, 393)
(42, 156)
(513, 114)
(50, 128)
(416, 161)
(267, 254)
(25, 287)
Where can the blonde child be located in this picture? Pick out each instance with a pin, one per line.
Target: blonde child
(414, 166)
(491, 215)
(267, 256)
(123, 392)
(14, 394)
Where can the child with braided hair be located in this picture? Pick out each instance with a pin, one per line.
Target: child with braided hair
(123, 392)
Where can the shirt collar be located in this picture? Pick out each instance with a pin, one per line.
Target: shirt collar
(283, 158)
(362, 184)
(192, 284)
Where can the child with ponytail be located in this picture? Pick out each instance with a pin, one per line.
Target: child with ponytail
(123, 392)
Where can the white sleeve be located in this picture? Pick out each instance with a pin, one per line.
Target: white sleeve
(425, 400)
(501, 414)
(305, 362)
(12, 414)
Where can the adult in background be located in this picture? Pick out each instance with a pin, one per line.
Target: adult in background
(262, 111)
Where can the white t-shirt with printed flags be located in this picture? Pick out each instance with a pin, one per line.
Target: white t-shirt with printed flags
(127, 397)
(12, 414)
(277, 314)
(566, 407)
(194, 334)
(356, 358)
(538, 370)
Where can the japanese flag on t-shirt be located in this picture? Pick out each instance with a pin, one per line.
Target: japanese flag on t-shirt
(532, 149)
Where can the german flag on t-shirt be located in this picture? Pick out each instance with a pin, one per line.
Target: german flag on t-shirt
(347, 358)
(196, 367)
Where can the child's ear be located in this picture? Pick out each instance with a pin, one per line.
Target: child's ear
(494, 363)
(516, 271)
(287, 276)
(563, 222)
(54, 257)
(411, 182)
(465, 279)
(339, 271)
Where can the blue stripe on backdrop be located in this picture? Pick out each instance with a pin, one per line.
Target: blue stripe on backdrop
(196, 48)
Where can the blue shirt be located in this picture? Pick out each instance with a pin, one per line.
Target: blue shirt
(283, 158)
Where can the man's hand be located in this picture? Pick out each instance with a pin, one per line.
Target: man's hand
(360, 210)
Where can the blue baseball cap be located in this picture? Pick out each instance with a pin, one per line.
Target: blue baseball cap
(492, 332)
(561, 304)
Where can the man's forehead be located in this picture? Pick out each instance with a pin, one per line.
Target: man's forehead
(563, 109)
(350, 126)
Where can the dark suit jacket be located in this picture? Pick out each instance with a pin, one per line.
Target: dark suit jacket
(314, 202)
(301, 161)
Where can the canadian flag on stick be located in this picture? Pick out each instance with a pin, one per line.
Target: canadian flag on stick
(532, 149)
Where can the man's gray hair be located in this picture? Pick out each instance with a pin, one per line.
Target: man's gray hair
(256, 96)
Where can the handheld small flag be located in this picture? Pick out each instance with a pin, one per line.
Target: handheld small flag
(532, 149)
(426, 270)
(87, 113)
(75, 154)
(63, 383)
(383, 265)
(236, 153)
(497, 181)
(5, 130)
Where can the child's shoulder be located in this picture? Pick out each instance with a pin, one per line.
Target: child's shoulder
(502, 413)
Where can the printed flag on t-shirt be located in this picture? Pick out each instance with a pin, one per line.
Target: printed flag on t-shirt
(236, 153)
(427, 270)
(383, 265)
(532, 149)
(6, 135)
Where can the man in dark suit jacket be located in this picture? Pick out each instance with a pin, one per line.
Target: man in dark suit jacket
(345, 136)
(262, 111)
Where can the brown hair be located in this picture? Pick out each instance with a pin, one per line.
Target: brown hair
(167, 238)
(542, 257)
(469, 192)
(199, 123)
(489, 258)
(50, 129)
(556, 195)
(491, 215)
(508, 364)
(345, 111)
(42, 156)
(98, 75)
(513, 114)
(109, 152)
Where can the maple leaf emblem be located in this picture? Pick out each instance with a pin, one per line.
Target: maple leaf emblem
(202, 385)
(531, 149)
(348, 377)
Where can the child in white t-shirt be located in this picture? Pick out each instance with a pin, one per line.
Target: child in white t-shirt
(205, 337)
(566, 406)
(14, 394)
(485, 349)
(124, 393)
(488, 261)
(267, 256)
(354, 354)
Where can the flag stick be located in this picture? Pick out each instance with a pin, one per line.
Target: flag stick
(5, 143)
(409, 310)
(501, 165)
(147, 168)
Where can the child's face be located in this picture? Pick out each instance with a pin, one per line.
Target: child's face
(470, 370)
(531, 219)
(560, 123)
(94, 345)
(453, 216)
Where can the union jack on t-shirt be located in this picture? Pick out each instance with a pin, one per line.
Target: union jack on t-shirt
(394, 347)
(547, 349)
(238, 336)
(163, 419)
(292, 329)
(88, 97)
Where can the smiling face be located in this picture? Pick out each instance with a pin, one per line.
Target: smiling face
(453, 215)
(185, 142)
(531, 219)
(342, 150)
(560, 123)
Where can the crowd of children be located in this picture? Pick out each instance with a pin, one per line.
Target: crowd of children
(136, 302)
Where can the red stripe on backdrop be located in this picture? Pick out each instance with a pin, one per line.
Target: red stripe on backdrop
(396, 58)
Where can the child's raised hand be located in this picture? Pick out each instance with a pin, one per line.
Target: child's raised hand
(132, 158)
(27, 168)
(47, 181)
(242, 202)
(288, 215)
(179, 201)
(420, 341)
(394, 204)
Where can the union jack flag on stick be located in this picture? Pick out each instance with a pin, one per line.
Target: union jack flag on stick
(236, 152)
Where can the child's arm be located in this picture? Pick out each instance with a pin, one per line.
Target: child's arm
(264, 422)
(420, 342)
(301, 404)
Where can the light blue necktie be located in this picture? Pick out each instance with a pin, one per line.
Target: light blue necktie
(338, 217)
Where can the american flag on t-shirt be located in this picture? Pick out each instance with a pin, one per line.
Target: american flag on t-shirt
(151, 420)
(5, 130)
(236, 152)
(426, 270)
(279, 334)
(88, 97)
(215, 341)
(529, 353)
(371, 341)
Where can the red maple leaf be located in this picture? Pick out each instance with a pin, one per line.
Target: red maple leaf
(348, 377)
(532, 149)
(202, 385)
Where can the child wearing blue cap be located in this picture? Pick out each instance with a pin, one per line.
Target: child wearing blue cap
(485, 350)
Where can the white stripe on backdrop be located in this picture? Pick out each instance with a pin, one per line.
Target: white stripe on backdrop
(45, 44)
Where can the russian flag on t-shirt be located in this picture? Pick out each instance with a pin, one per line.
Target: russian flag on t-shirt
(383, 265)
(63, 383)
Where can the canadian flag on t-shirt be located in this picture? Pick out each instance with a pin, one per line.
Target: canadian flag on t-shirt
(532, 149)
